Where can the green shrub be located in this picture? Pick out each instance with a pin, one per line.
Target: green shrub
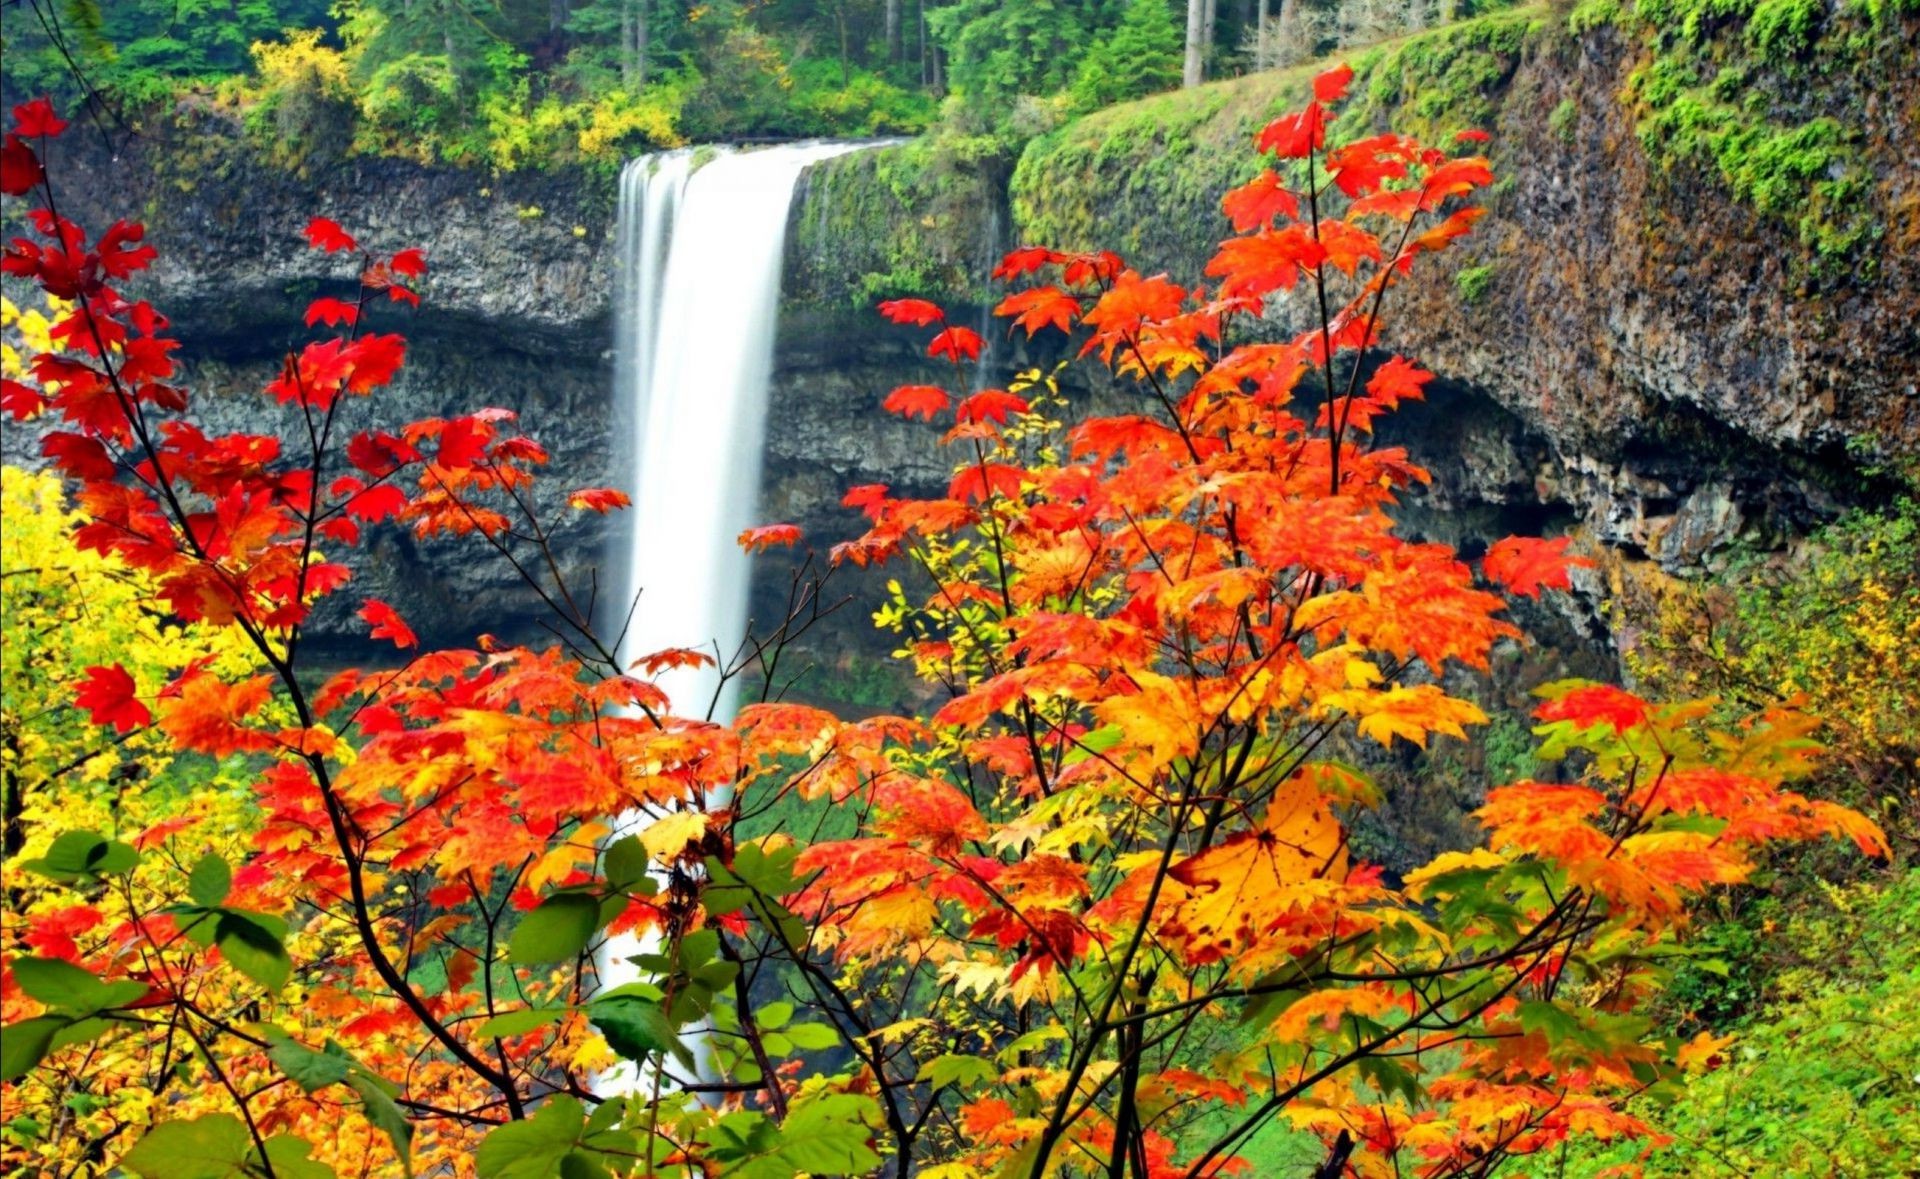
(1824, 1082)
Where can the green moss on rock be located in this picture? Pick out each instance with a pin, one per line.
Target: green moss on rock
(919, 218)
(1768, 95)
(1145, 178)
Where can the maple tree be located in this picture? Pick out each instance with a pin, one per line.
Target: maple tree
(1096, 915)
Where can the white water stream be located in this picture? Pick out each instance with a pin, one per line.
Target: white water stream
(700, 256)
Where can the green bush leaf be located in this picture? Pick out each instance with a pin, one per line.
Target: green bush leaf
(25, 1044)
(251, 944)
(377, 1103)
(812, 1037)
(54, 982)
(78, 855)
(624, 863)
(963, 1071)
(289, 1155)
(210, 881)
(636, 1027)
(71, 990)
(519, 1023)
(306, 1068)
(211, 1147)
(557, 930)
(533, 1148)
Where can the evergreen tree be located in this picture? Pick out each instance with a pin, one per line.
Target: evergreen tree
(1140, 56)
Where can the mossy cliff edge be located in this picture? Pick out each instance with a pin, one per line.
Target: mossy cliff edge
(1686, 326)
(1695, 285)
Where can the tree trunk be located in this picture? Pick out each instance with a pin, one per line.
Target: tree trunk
(1206, 34)
(556, 16)
(639, 43)
(1287, 26)
(893, 32)
(626, 44)
(1196, 43)
(840, 19)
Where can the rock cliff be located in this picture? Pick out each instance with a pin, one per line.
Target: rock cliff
(1654, 339)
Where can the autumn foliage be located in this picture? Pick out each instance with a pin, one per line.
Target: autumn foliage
(1097, 914)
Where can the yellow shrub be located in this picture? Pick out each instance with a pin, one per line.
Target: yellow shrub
(301, 63)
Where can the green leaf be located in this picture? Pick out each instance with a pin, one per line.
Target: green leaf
(532, 1148)
(215, 1146)
(210, 881)
(79, 1032)
(519, 1023)
(716, 976)
(55, 982)
(557, 930)
(25, 1044)
(77, 855)
(828, 1135)
(1095, 742)
(198, 925)
(288, 1153)
(1037, 1038)
(699, 948)
(377, 1103)
(251, 944)
(812, 1037)
(70, 989)
(636, 1027)
(754, 874)
(308, 1069)
(958, 1070)
(624, 863)
(775, 1015)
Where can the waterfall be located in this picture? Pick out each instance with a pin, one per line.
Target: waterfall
(700, 252)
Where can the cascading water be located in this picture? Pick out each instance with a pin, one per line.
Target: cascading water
(700, 254)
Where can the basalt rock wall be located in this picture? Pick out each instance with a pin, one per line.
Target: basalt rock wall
(1651, 347)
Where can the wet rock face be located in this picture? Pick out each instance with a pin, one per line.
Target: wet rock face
(1622, 351)
(516, 314)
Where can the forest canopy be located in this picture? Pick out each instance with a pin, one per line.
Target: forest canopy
(514, 83)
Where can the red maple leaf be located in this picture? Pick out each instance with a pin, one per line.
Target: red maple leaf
(1526, 565)
(1296, 136)
(20, 400)
(19, 168)
(1331, 86)
(1257, 202)
(1026, 260)
(332, 312)
(324, 234)
(379, 453)
(991, 405)
(37, 118)
(917, 312)
(377, 503)
(387, 624)
(921, 401)
(767, 536)
(108, 695)
(1596, 704)
(956, 344)
(410, 262)
(598, 499)
(1040, 307)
